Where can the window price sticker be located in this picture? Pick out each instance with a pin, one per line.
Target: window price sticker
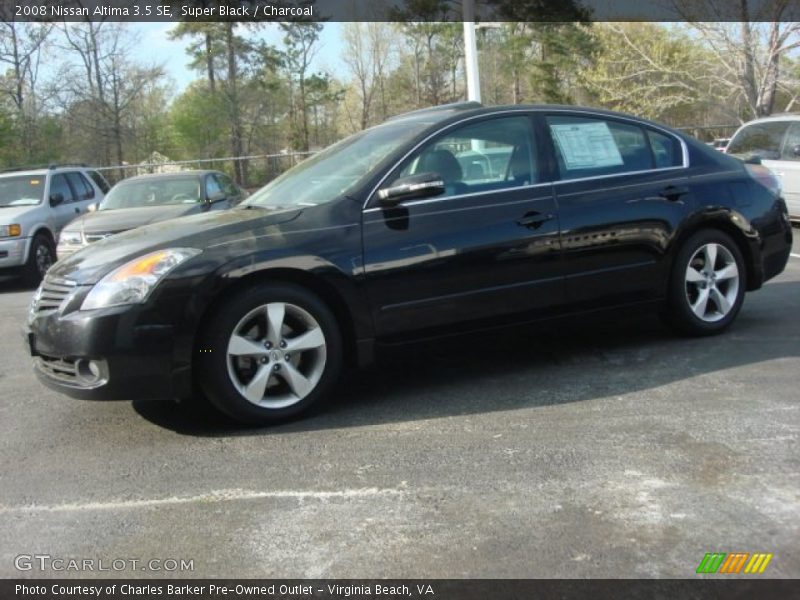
(586, 145)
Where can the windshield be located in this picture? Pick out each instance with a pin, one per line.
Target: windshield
(337, 169)
(152, 192)
(21, 190)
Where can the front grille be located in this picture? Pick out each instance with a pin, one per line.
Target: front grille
(62, 369)
(51, 294)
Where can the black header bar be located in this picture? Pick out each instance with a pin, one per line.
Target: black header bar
(400, 10)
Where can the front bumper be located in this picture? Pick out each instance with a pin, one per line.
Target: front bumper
(63, 250)
(13, 252)
(119, 353)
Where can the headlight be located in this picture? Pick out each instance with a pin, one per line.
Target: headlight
(132, 282)
(70, 238)
(13, 230)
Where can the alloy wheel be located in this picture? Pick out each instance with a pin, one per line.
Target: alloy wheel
(276, 355)
(44, 259)
(712, 282)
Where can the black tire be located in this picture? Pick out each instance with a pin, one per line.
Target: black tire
(679, 313)
(41, 256)
(211, 365)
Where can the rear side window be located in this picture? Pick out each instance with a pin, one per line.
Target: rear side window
(83, 189)
(761, 139)
(587, 147)
(667, 151)
(99, 181)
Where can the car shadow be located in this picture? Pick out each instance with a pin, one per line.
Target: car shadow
(13, 283)
(530, 367)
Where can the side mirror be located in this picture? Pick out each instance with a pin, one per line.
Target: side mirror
(56, 199)
(796, 150)
(92, 207)
(422, 185)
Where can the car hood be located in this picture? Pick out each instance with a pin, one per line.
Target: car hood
(122, 219)
(91, 263)
(12, 214)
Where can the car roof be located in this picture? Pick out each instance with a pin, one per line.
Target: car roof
(27, 171)
(443, 114)
(775, 117)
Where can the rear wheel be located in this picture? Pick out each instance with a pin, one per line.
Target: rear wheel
(41, 257)
(707, 284)
(269, 354)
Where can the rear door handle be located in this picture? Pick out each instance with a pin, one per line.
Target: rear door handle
(77, 210)
(673, 192)
(534, 220)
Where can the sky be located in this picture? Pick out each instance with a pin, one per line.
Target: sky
(156, 47)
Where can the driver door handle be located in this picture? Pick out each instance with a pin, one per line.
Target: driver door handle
(534, 220)
(672, 192)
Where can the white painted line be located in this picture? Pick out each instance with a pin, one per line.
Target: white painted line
(213, 496)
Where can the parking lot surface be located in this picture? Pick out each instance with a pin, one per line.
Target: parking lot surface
(604, 449)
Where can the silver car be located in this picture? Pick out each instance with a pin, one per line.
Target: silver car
(35, 204)
(776, 141)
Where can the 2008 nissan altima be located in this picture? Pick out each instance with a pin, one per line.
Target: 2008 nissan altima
(441, 220)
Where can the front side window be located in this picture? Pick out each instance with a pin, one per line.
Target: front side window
(760, 139)
(59, 185)
(213, 190)
(227, 185)
(589, 147)
(491, 155)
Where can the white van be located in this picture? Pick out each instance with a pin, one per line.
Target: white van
(776, 140)
(35, 204)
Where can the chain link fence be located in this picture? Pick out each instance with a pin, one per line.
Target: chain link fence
(254, 171)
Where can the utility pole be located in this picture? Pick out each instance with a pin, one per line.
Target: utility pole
(471, 52)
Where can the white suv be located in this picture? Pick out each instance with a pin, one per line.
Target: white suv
(776, 141)
(34, 205)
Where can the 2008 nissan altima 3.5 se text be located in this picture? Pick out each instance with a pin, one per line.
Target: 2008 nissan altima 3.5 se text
(444, 219)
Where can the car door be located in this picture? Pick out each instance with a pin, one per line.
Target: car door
(487, 246)
(622, 190)
(67, 210)
(789, 169)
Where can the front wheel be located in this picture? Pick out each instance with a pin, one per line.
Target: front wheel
(269, 353)
(41, 257)
(707, 284)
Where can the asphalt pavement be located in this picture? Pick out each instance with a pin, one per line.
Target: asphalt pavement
(601, 449)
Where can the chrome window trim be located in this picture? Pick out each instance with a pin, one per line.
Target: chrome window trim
(640, 172)
(530, 111)
(469, 195)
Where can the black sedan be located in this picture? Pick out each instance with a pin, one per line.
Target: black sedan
(447, 219)
(146, 199)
